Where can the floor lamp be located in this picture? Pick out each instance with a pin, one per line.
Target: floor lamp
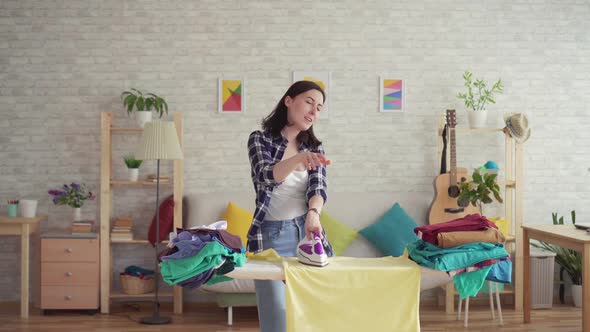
(158, 142)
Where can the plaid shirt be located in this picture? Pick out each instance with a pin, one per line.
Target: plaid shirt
(265, 151)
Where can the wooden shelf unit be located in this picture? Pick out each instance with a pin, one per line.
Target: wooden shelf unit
(107, 186)
(513, 206)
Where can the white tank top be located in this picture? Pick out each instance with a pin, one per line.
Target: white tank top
(287, 201)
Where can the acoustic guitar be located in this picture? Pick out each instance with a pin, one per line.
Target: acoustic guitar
(445, 206)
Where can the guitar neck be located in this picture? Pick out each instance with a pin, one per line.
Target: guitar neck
(453, 157)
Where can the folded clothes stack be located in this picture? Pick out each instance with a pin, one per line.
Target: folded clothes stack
(200, 256)
(470, 249)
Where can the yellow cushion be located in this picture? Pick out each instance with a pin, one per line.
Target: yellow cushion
(503, 225)
(238, 221)
(339, 235)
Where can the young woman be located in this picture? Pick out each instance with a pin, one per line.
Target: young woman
(289, 176)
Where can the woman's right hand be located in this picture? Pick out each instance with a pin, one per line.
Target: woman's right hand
(312, 160)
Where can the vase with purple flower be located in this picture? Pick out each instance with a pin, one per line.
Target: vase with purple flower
(72, 195)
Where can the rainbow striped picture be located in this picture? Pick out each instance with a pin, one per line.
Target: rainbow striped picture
(392, 95)
(231, 95)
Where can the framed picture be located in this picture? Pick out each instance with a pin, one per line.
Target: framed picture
(231, 96)
(322, 78)
(392, 94)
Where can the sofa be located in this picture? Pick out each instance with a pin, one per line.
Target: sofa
(356, 210)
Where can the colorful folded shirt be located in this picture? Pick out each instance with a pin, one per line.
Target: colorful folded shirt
(471, 222)
(453, 239)
(474, 267)
(501, 272)
(431, 256)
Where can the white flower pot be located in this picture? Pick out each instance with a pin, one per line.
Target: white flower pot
(133, 174)
(477, 119)
(143, 117)
(28, 208)
(577, 295)
(77, 214)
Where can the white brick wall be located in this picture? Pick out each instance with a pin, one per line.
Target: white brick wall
(63, 62)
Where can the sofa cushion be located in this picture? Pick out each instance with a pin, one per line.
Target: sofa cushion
(238, 220)
(339, 235)
(392, 232)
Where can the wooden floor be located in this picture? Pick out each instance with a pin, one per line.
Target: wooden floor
(209, 318)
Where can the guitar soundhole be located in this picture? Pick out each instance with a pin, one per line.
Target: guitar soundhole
(463, 179)
(453, 191)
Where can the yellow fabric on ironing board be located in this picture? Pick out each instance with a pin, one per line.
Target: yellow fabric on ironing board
(353, 294)
(267, 255)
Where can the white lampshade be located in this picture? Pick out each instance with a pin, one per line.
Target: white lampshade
(159, 141)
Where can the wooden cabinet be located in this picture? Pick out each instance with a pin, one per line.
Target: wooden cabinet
(69, 272)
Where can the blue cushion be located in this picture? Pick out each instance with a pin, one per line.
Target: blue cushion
(392, 232)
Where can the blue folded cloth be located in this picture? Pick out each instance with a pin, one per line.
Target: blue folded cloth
(137, 271)
(501, 272)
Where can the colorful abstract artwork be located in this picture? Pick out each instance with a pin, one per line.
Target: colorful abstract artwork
(392, 95)
(322, 78)
(231, 95)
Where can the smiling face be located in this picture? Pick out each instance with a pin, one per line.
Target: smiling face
(303, 109)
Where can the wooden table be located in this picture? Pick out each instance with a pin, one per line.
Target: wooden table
(566, 236)
(23, 227)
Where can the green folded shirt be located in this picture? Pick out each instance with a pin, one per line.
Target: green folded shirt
(431, 256)
(177, 270)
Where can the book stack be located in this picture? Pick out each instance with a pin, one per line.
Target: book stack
(154, 178)
(122, 229)
(81, 227)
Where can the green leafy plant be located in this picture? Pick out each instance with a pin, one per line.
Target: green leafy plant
(570, 261)
(479, 190)
(478, 93)
(136, 99)
(131, 162)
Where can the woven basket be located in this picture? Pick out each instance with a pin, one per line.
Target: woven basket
(134, 285)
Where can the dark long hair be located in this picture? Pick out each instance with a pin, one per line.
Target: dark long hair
(277, 119)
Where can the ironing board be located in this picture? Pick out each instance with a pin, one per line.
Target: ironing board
(273, 270)
(376, 284)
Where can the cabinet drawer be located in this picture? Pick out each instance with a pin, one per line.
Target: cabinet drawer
(53, 273)
(69, 297)
(69, 250)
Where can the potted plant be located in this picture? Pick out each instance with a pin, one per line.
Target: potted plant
(73, 195)
(479, 190)
(477, 96)
(570, 262)
(143, 105)
(132, 166)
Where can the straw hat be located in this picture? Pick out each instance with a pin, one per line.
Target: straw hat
(517, 125)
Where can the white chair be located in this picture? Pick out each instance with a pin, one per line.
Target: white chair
(491, 285)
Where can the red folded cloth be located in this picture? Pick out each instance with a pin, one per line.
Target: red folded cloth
(471, 222)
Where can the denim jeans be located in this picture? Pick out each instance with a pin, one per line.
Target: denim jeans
(283, 236)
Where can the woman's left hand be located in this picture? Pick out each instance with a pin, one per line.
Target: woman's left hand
(313, 225)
